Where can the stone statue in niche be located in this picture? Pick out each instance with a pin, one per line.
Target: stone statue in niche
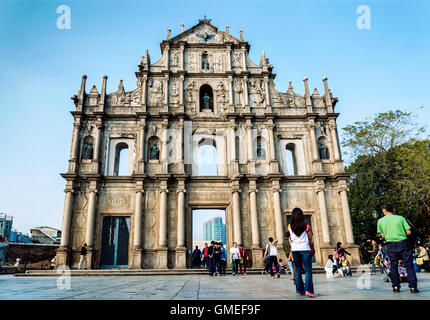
(323, 151)
(236, 59)
(154, 152)
(174, 94)
(87, 152)
(238, 89)
(205, 61)
(206, 102)
(259, 151)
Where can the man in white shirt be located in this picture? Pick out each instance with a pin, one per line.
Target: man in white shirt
(234, 257)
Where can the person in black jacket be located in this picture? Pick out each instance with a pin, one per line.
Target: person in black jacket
(83, 260)
(211, 262)
(196, 257)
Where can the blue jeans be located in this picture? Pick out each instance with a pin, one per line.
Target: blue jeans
(304, 257)
(206, 261)
(401, 251)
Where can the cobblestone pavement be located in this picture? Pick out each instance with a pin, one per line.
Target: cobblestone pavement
(200, 287)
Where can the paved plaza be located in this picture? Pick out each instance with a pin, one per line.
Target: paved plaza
(199, 287)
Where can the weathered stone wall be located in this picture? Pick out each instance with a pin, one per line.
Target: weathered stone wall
(30, 252)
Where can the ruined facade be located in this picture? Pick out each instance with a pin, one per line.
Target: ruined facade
(275, 151)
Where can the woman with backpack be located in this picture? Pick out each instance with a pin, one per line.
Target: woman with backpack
(301, 248)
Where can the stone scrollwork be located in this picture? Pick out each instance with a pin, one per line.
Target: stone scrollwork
(174, 59)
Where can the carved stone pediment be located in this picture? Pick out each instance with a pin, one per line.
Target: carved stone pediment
(204, 32)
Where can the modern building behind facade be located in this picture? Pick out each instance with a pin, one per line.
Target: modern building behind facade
(5, 225)
(214, 230)
(47, 235)
(19, 237)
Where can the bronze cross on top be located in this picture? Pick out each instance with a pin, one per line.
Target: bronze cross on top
(205, 20)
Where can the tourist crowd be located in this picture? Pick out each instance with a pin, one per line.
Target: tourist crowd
(215, 258)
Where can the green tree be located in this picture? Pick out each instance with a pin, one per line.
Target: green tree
(391, 165)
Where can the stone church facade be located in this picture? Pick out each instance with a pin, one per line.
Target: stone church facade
(274, 151)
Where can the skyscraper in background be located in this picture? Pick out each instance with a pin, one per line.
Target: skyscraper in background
(214, 230)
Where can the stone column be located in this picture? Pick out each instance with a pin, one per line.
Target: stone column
(89, 236)
(180, 144)
(143, 93)
(138, 218)
(181, 58)
(103, 95)
(333, 128)
(245, 94)
(230, 94)
(327, 96)
(91, 217)
(181, 218)
(181, 257)
(237, 236)
(163, 218)
(267, 95)
(272, 154)
(67, 218)
(311, 129)
(181, 93)
(62, 253)
(74, 149)
(346, 213)
(278, 213)
(254, 215)
(164, 151)
(96, 158)
(229, 58)
(166, 93)
(232, 142)
(162, 241)
(308, 100)
(141, 147)
(244, 58)
(75, 139)
(257, 253)
(320, 190)
(250, 151)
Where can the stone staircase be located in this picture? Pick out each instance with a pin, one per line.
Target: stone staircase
(154, 272)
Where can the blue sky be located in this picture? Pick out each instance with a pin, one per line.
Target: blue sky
(371, 71)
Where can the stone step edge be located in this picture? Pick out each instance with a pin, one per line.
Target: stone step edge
(138, 272)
